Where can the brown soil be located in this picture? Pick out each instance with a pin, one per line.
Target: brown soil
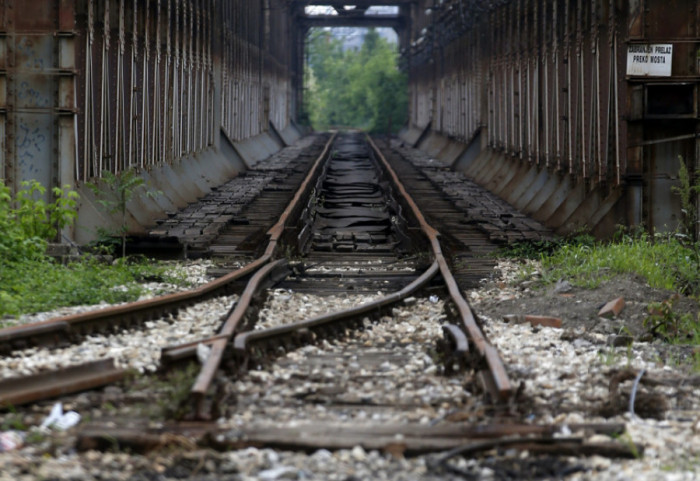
(578, 308)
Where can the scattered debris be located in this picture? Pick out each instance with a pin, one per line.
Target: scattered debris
(11, 440)
(562, 287)
(647, 403)
(620, 341)
(612, 308)
(546, 321)
(59, 420)
(203, 352)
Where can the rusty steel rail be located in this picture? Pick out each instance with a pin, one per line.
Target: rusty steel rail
(23, 390)
(232, 323)
(218, 346)
(55, 328)
(94, 374)
(242, 342)
(219, 343)
(495, 378)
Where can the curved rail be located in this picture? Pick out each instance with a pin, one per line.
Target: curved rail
(495, 378)
(242, 341)
(91, 374)
(149, 308)
(265, 268)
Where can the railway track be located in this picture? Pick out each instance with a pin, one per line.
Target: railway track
(405, 349)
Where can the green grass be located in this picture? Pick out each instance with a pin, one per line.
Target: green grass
(664, 262)
(40, 284)
(670, 262)
(32, 282)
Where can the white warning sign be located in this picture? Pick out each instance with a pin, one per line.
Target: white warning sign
(649, 60)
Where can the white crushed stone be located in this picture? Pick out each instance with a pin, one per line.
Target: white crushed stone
(556, 372)
(284, 307)
(364, 266)
(136, 348)
(569, 374)
(406, 373)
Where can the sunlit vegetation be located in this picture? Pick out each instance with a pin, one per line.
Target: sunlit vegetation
(360, 88)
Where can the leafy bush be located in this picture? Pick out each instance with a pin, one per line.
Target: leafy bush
(32, 282)
(114, 193)
(361, 88)
(687, 191)
(27, 222)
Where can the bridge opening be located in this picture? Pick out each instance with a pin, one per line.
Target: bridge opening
(352, 79)
(357, 10)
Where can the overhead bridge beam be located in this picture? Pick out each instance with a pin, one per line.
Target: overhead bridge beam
(358, 3)
(367, 21)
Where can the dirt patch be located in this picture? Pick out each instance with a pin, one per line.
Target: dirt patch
(578, 307)
(589, 351)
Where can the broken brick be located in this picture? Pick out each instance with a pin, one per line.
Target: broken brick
(546, 321)
(612, 308)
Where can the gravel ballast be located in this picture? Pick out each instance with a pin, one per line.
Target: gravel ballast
(566, 374)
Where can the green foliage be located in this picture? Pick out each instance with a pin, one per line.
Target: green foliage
(664, 261)
(32, 282)
(13, 421)
(687, 192)
(537, 249)
(171, 392)
(668, 324)
(27, 221)
(35, 285)
(354, 88)
(114, 193)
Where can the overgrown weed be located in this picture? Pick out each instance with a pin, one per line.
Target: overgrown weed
(664, 261)
(669, 261)
(172, 392)
(32, 282)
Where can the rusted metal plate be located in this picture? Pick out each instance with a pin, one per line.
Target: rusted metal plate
(31, 100)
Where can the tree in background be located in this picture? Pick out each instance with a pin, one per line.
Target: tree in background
(354, 88)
